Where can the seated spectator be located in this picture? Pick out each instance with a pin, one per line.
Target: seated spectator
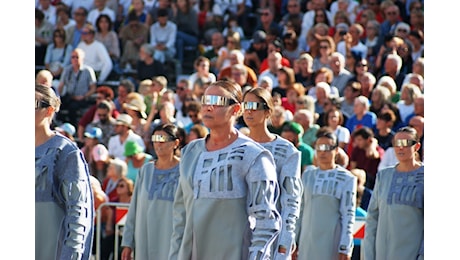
(132, 36)
(237, 57)
(58, 54)
(384, 129)
(274, 46)
(147, 66)
(257, 50)
(103, 93)
(163, 37)
(186, 19)
(97, 56)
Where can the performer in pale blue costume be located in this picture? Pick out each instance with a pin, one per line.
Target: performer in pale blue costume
(225, 205)
(328, 205)
(64, 211)
(148, 226)
(395, 216)
(257, 108)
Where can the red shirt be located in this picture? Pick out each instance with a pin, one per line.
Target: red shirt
(264, 65)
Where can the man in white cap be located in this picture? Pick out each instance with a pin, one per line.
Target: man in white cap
(124, 133)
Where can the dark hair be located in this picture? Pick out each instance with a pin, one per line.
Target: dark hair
(39, 15)
(194, 106)
(48, 96)
(327, 132)
(341, 117)
(104, 104)
(264, 95)
(128, 84)
(162, 12)
(172, 130)
(409, 130)
(364, 131)
(99, 18)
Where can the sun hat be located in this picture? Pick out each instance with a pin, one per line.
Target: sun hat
(132, 148)
(66, 127)
(124, 119)
(94, 132)
(136, 105)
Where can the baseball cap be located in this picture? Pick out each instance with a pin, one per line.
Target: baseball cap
(94, 132)
(66, 127)
(100, 153)
(259, 36)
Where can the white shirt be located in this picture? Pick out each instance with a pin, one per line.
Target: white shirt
(97, 57)
(117, 148)
(94, 14)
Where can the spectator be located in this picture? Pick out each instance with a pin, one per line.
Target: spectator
(197, 131)
(293, 16)
(123, 133)
(186, 20)
(380, 95)
(306, 119)
(267, 22)
(163, 37)
(80, 15)
(202, 69)
(93, 137)
(285, 80)
(341, 76)
(274, 66)
(257, 51)
(384, 129)
(49, 10)
(147, 66)
(149, 222)
(135, 107)
(326, 47)
(210, 18)
(100, 7)
(293, 132)
(67, 130)
(291, 46)
(62, 186)
(44, 77)
(418, 123)
(58, 54)
(232, 26)
(324, 208)
(97, 56)
(334, 119)
(419, 109)
(392, 18)
(372, 43)
(390, 203)
(103, 114)
(292, 94)
(132, 36)
(212, 53)
(76, 86)
(352, 41)
(308, 18)
(409, 93)
(182, 100)
(153, 10)
(305, 73)
(43, 36)
(362, 116)
(233, 42)
(366, 153)
(135, 159)
(237, 57)
(124, 88)
(274, 45)
(106, 34)
(352, 90)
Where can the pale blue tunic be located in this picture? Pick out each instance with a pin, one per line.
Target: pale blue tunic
(148, 226)
(327, 213)
(218, 192)
(395, 216)
(64, 211)
(287, 160)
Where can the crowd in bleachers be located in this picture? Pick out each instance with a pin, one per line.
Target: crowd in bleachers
(124, 67)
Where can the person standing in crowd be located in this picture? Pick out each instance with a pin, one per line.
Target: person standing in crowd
(325, 229)
(64, 210)
(257, 107)
(396, 207)
(229, 179)
(150, 216)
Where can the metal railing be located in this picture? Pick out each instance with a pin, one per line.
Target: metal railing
(99, 231)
